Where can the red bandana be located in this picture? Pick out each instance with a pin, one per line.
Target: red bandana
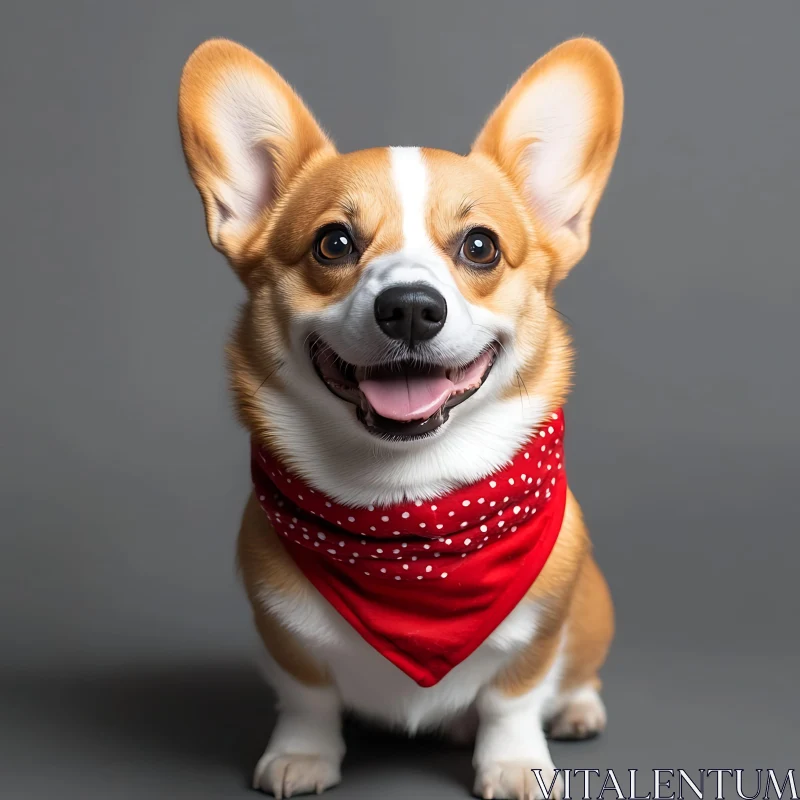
(426, 582)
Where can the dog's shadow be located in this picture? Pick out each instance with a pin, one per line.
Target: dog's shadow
(216, 716)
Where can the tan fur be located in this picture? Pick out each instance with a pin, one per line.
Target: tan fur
(589, 627)
(316, 186)
(264, 562)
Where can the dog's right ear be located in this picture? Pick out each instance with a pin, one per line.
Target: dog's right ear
(245, 136)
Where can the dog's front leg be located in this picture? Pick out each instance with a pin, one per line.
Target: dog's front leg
(306, 748)
(510, 747)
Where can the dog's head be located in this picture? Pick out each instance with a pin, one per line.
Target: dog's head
(399, 334)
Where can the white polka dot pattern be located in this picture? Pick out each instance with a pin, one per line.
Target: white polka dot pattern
(448, 528)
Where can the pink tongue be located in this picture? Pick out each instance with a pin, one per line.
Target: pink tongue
(407, 397)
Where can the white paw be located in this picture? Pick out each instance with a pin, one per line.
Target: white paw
(288, 774)
(515, 780)
(583, 716)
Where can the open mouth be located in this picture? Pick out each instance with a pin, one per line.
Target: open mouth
(403, 399)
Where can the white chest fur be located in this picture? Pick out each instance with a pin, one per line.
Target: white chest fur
(371, 685)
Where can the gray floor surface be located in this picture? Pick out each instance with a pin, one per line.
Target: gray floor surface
(193, 727)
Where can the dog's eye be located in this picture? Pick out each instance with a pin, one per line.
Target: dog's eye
(480, 248)
(333, 244)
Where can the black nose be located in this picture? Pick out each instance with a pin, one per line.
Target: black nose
(412, 312)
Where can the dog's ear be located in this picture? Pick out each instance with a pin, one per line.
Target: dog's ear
(555, 134)
(245, 135)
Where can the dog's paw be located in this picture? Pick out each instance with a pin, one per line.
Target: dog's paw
(583, 717)
(289, 774)
(515, 780)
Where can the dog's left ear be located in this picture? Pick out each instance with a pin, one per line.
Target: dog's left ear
(555, 134)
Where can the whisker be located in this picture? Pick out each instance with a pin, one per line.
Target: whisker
(261, 385)
(561, 314)
(522, 382)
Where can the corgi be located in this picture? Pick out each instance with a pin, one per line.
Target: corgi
(396, 361)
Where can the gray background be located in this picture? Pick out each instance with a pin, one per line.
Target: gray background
(125, 642)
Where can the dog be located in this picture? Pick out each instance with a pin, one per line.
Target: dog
(401, 368)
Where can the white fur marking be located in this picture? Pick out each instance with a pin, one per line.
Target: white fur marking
(411, 183)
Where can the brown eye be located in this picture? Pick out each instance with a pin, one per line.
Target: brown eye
(333, 244)
(479, 248)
